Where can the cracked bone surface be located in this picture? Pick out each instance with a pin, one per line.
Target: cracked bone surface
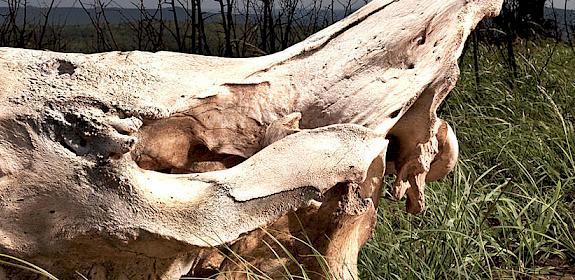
(133, 165)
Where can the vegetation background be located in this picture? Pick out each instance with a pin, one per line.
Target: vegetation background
(508, 209)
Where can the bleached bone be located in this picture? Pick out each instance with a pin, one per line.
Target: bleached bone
(293, 145)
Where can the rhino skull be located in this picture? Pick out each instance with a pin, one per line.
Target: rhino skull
(126, 165)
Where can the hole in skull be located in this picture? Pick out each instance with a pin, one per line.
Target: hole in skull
(392, 153)
(421, 40)
(74, 143)
(171, 146)
(199, 159)
(164, 170)
(65, 67)
(83, 142)
(395, 113)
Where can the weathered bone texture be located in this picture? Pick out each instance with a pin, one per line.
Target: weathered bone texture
(134, 165)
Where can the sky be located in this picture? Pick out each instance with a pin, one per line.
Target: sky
(209, 3)
(561, 4)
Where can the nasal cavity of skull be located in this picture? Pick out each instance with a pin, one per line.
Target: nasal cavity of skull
(65, 67)
(72, 140)
(74, 143)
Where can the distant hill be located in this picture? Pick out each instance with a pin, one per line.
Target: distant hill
(77, 16)
(562, 17)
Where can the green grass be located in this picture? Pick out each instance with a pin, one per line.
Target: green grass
(10, 261)
(508, 209)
